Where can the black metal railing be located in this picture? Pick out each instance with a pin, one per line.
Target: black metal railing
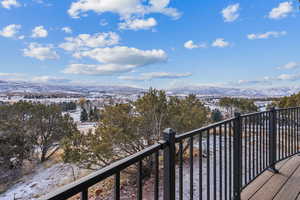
(213, 162)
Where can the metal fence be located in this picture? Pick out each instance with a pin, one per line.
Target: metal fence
(213, 162)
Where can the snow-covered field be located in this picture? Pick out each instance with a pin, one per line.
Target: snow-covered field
(43, 181)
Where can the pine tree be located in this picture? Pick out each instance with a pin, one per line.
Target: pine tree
(216, 115)
(83, 115)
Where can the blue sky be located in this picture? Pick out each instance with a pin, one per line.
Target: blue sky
(158, 43)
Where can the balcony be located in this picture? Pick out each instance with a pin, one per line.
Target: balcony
(250, 156)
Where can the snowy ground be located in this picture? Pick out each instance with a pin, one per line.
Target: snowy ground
(43, 181)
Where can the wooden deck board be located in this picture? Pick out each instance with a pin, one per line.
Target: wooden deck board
(248, 192)
(285, 185)
(291, 188)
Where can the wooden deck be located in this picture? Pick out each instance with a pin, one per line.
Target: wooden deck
(282, 186)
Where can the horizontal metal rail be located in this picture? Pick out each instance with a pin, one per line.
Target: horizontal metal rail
(182, 136)
(90, 180)
(218, 161)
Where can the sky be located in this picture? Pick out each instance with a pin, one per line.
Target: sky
(151, 43)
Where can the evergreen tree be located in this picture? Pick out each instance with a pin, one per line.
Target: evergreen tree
(83, 115)
(216, 115)
(50, 126)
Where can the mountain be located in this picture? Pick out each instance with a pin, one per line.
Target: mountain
(236, 92)
(10, 87)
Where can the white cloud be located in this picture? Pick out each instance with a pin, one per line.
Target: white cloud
(103, 22)
(10, 31)
(100, 69)
(271, 80)
(10, 3)
(66, 29)
(39, 32)
(39, 1)
(247, 82)
(40, 52)
(288, 77)
(137, 24)
(115, 60)
(83, 41)
(124, 55)
(266, 35)
(220, 42)
(191, 45)
(11, 74)
(49, 79)
(230, 13)
(155, 75)
(21, 37)
(290, 65)
(125, 8)
(282, 11)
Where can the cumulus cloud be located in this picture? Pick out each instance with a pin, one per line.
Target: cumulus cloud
(266, 35)
(8, 4)
(138, 24)
(103, 22)
(10, 74)
(191, 45)
(10, 31)
(21, 37)
(290, 65)
(125, 8)
(246, 82)
(124, 55)
(270, 80)
(39, 32)
(282, 11)
(155, 75)
(288, 77)
(221, 43)
(100, 69)
(231, 12)
(115, 60)
(84, 41)
(66, 29)
(49, 79)
(40, 52)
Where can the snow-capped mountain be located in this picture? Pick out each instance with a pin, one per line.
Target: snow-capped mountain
(26, 87)
(246, 92)
(9, 87)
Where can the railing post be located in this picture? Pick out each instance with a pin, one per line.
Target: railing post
(169, 164)
(272, 140)
(237, 156)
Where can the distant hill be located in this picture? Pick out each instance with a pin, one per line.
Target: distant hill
(9, 87)
(233, 92)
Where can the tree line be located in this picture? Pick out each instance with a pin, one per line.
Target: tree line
(125, 129)
(287, 101)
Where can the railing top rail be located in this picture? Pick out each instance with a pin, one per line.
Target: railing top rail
(93, 178)
(254, 113)
(196, 131)
(290, 108)
(267, 111)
